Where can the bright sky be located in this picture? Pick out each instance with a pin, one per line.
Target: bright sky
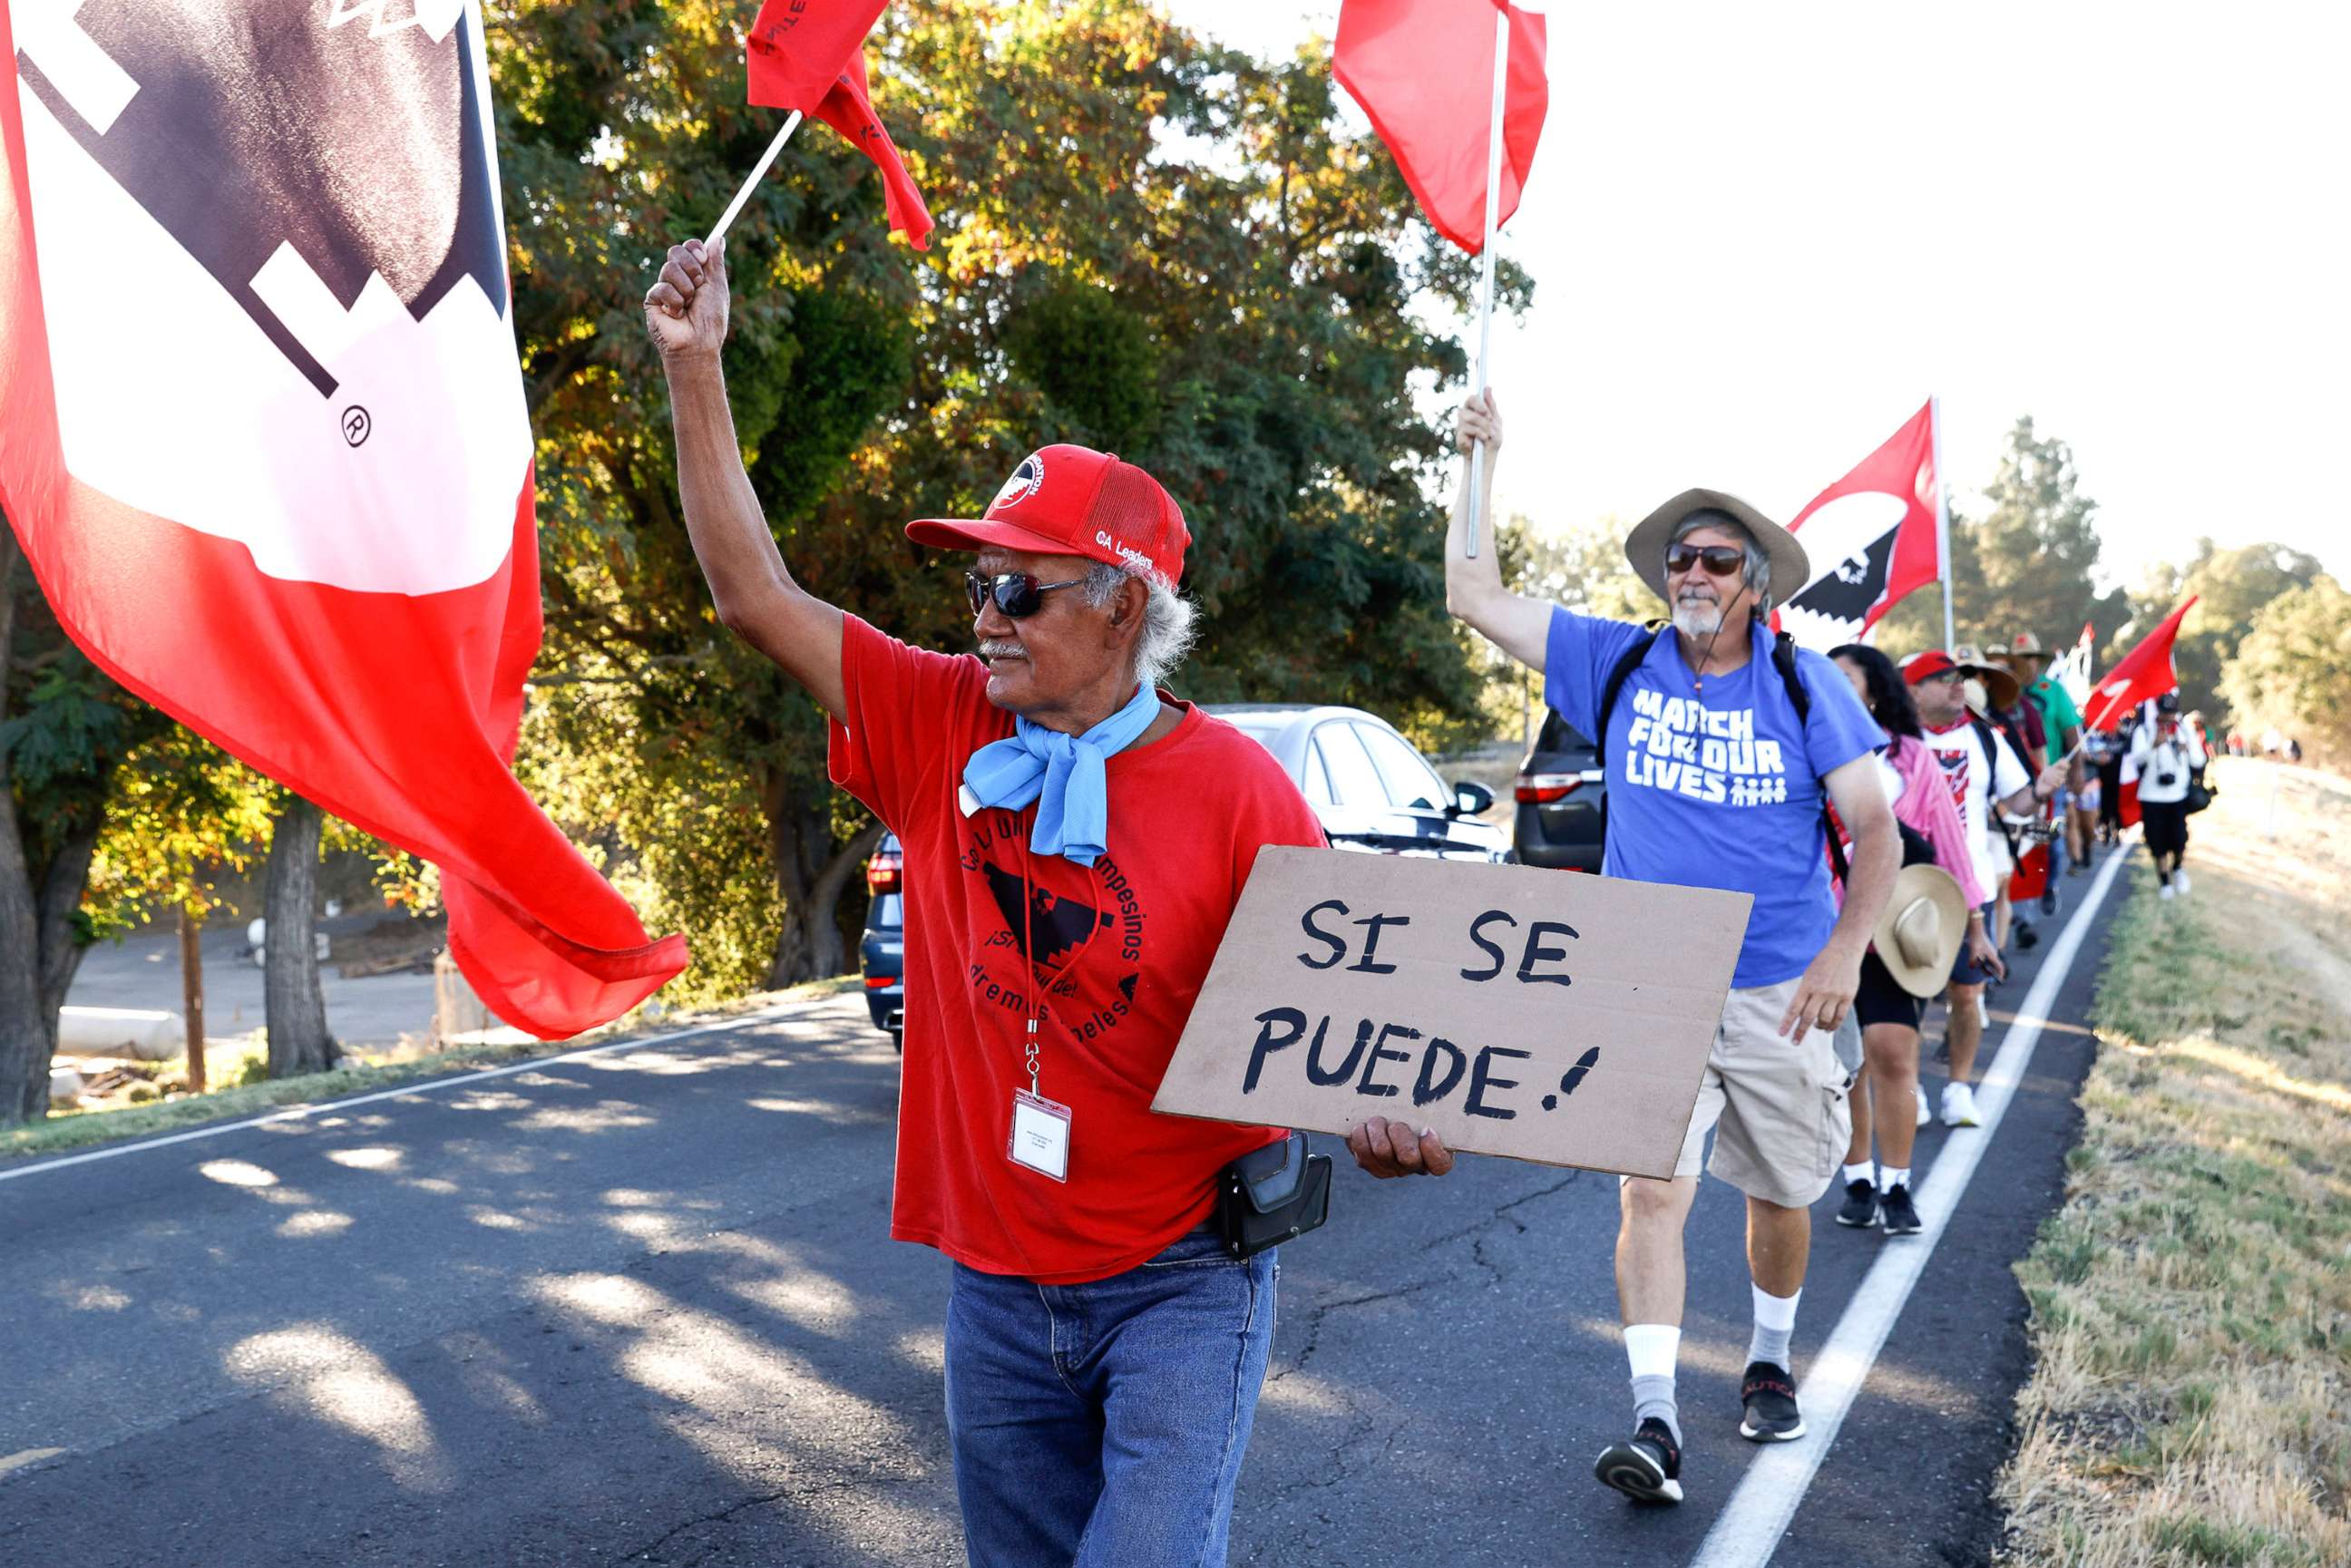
(1763, 235)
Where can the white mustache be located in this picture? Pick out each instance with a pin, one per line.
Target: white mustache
(993, 649)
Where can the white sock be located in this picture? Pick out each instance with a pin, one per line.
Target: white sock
(1775, 1321)
(1862, 1172)
(1891, 1177)
(1650, 1349)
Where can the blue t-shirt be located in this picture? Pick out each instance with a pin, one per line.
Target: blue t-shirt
(1720, 789)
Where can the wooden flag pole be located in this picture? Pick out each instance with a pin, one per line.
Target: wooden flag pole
(1486, 254)
(759, 172)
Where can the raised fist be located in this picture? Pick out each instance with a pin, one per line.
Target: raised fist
(685, 311)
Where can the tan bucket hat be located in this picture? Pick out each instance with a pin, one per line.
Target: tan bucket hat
(2002, 685)
(2025, 646)
(1645, 547)
(1918, 935)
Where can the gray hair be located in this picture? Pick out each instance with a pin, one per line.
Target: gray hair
(1755, 572)
(1169, 619)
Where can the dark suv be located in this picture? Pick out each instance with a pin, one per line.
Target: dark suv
(883, 951)
(1560, 789)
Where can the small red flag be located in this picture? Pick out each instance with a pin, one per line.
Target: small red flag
(798, 49)
(1424, 72)
(2144, 673)
(849, 111)
(1870, 537)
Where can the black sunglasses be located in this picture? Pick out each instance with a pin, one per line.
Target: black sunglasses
(1721, 560)
(1016, 593)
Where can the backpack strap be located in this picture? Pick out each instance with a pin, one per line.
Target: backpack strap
(1626, 662)
(1783, 659)
(1991, 773)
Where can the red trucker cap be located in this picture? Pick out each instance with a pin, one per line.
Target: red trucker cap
(1920, 666)
(1073, 500)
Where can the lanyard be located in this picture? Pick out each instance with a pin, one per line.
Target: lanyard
(1032, 1006)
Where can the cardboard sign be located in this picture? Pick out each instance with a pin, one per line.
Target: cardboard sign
(1537, 1014)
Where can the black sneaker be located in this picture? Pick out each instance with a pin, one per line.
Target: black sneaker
(2027, 938)
(1901, 1214)
(1860, 1209)
(1645, 1467)
(1769, 1394)
(2049, 899)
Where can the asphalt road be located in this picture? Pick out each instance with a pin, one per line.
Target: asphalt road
(143, 971)
(640, 1307)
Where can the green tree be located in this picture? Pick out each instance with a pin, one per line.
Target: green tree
(2232, 587)
(2027, 563)
(1144, 243)
(2291, 670)
(64, 730)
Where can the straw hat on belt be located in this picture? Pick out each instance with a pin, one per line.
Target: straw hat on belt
(1918, 935)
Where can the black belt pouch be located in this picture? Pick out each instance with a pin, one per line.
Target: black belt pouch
(1271, 1195)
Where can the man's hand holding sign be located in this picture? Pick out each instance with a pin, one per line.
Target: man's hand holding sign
(1423, 1008)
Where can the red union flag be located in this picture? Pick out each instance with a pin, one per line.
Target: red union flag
(2143, 674)
(263, 438)
(848, 110)
(1423, 71)
(1870, 537)
(798, 49)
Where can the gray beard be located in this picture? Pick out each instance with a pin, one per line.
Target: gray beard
(1698, 619)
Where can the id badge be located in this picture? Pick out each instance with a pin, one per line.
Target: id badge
(1041, 1135)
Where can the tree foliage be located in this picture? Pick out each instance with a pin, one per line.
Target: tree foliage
(2232, 587)
(2027, 562)
(1144, 243)
(2291, 670)
(64, 731)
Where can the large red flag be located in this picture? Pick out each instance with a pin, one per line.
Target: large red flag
(1424, 72)
(2144, 673)
(263, 436)
(798, 49)
(1870, 537)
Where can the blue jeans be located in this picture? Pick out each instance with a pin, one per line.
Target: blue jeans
(1103, 1425)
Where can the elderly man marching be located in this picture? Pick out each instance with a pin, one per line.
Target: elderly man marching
(1075, 841)
(1722, 748)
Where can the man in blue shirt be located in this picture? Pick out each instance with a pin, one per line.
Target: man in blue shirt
(1715, 779)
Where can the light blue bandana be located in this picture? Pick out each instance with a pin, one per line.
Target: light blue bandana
(1062, 773)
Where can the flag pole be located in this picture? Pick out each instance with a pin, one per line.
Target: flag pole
(1942, 516)
(1486, 254)
(759, 172)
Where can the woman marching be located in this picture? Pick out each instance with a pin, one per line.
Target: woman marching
(1886, 1008)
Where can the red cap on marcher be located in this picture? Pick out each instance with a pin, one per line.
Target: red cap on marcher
(1920, 666)
(1073, 500)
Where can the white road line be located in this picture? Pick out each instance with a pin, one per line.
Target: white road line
(1749, 1528)
(422, 1086)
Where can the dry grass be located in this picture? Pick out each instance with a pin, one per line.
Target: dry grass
(2191, 1302)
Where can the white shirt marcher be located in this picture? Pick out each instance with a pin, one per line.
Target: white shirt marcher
(2156, 761)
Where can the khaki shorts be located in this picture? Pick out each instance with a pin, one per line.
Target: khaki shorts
(1778, 1110)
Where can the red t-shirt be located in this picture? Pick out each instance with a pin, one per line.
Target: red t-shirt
(1123, 948)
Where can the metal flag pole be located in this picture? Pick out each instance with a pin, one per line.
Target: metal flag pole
(1942, 515)
(1486, 254)
(759, 172)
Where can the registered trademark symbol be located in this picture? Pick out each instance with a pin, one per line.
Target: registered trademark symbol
(356, 425)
